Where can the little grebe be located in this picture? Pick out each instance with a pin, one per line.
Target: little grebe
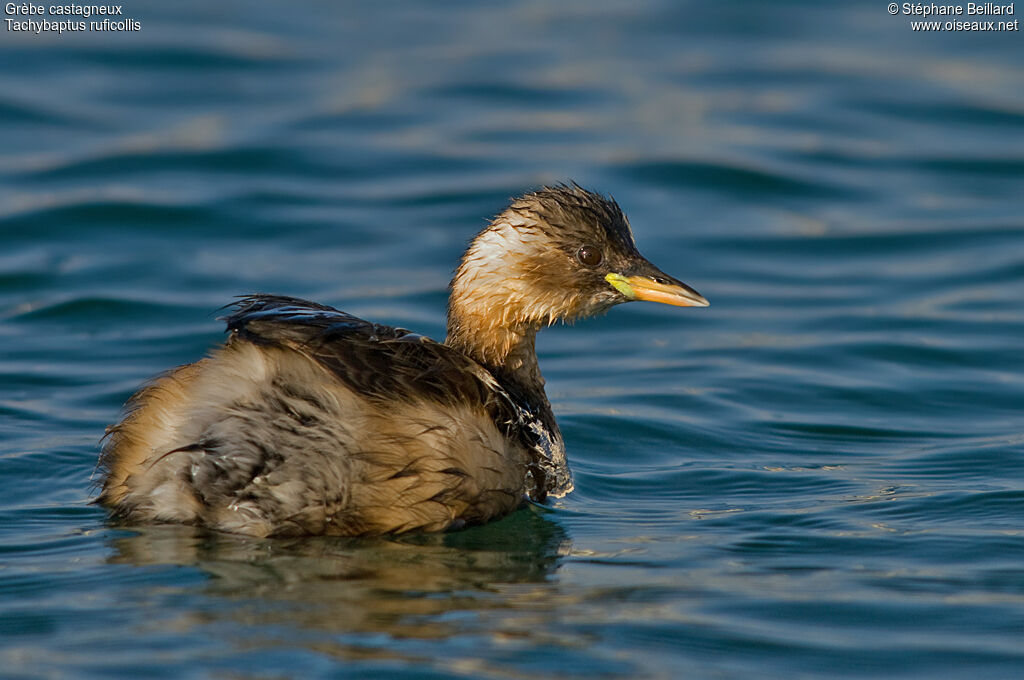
(311, 421)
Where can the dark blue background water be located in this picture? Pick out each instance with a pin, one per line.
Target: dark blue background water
(820, 476)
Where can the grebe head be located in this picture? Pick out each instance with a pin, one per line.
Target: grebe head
(556, 254)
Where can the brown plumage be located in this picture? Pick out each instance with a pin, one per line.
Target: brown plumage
(312, 421)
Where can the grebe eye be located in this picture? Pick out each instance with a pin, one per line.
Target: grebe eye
(589, 256)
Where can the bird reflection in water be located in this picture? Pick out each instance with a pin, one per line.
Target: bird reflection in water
(414, 587)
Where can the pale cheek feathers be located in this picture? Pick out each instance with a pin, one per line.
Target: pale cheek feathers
(503, 244)
(483, 285)
(511, 275)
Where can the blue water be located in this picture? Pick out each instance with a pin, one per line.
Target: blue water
(819, 476)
